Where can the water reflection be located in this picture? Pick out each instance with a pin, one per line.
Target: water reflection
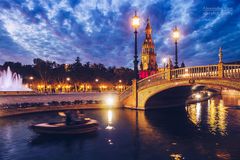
(194, 132)
(194, 111)
(109, 120)
(66, 140)
(216, 115)
(222, 121)
(176, 156)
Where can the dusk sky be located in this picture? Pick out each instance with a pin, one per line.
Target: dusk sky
(99, 30)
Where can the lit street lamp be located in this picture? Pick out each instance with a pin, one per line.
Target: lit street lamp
(68, 79)
(135, 25)
(31, 78)
(164, 61)
(66, 67)
(96, 80)
(120, 81)
(176, 35)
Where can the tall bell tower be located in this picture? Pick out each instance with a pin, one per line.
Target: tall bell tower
(148, 58)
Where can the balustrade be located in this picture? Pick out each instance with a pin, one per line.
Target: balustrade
(197, 72)
(231, 71)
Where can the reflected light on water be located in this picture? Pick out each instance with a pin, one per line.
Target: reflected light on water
(110, 116)
(176, 156)
(198, 113)
(110, 142)
(222, 125)
(216, 115)
(212, 117)
(194, 112)
(109, 119)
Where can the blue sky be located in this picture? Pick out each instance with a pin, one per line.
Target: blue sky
(100, 31)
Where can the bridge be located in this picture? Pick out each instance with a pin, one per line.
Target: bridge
(214, 76)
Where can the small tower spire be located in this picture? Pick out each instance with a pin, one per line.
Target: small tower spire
(220, 55)
(148, 56)
(148, 29)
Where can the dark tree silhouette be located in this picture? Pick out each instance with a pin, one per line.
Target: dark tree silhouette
(51, 72)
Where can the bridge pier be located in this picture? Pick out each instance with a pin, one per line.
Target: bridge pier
(134, 103)
(135, 93)
(132, 100)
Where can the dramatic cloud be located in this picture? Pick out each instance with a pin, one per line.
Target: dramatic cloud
(99, 30)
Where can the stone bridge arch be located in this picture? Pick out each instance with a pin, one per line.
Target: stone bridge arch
(217, 84)
(146, 92)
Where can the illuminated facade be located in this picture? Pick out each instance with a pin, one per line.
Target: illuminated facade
(148, 64)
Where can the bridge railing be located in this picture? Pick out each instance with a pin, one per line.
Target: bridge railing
(125, 93)
(195, 72)
(231, 70)
(209, 71)
(152, 79)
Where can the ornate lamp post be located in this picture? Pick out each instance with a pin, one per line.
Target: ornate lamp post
(135, 25)
(176, 35)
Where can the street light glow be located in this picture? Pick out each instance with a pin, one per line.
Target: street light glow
(135, 21)
(31, 77)
(109, 101)
(176, 34)
(164, 60)
(68, 78)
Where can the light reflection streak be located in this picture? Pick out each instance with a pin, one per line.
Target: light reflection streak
(109, 126)
(222, 118)
(198, 112)
(176, 156)
(212, 117)
(194, 111)
(109, 119)
(216, 116)
(110, 116)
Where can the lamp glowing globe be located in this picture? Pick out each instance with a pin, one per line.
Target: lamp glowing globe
(135, 21)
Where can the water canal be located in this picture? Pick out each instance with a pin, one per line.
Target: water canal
(207, 130)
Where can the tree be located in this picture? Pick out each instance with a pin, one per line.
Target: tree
(52, 72)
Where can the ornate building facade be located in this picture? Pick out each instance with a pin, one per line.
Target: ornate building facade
(148, 65)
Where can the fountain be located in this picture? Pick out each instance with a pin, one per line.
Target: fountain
(11, 82)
